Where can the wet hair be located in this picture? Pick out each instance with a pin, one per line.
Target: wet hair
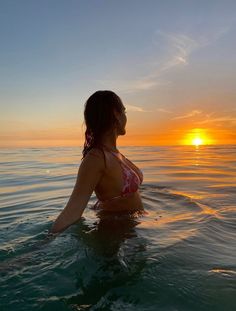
(99, 117)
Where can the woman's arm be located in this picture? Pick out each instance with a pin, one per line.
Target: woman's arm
(90, 171)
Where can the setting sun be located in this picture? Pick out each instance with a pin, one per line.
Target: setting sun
(197, 141)
(197, 137)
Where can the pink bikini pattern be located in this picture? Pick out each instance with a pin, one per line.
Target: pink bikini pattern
(131, 180)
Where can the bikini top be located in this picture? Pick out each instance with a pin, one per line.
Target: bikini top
(132, 179)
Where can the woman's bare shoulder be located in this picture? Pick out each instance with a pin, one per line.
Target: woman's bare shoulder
(96, 157)
(96, 152)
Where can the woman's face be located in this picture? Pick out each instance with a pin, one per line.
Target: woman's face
(121, 121)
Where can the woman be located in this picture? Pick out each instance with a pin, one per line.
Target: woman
(103, 169)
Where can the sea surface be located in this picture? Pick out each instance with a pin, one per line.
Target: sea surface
(180, 255)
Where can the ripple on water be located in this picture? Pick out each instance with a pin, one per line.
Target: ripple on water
(177, 256)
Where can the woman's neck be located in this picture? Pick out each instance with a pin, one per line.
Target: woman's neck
(110, 142)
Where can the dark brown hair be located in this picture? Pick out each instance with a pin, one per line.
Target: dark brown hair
(99, 117)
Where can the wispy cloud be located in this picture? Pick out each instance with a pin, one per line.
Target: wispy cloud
(218, 120)
(179, 47)
(141, 109)
(176, 51)
(188, 115)
(207, 118)
(130, 86)
(136, 108)
(163, 110)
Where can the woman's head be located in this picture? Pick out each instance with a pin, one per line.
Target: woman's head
(103, 114)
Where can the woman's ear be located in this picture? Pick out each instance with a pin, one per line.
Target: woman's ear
(117, 118)
(116, 113)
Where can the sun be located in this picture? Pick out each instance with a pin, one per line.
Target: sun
(197, 137)
(197, 141)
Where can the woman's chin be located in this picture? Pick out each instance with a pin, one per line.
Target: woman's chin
(121, 132)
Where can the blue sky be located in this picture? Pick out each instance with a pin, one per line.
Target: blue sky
(169, 61)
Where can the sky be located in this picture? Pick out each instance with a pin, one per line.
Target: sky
(173, 64)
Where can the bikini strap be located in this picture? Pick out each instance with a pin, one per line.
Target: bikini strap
(125, 164)
(104, 157)
(104, 148)
(115, 155)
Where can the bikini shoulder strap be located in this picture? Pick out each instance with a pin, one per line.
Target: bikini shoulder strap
(104, 154)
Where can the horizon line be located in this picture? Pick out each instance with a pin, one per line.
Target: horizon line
(121, 146)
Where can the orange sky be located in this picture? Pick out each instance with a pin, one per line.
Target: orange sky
(183, 134)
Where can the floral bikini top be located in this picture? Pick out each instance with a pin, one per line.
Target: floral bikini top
(132, 179)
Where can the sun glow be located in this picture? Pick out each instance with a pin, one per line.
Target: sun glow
(197, 141)
(197, 137)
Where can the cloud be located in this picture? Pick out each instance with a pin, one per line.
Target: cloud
(219, 119)
(179, 47)
(176, 51)
(188, 115)
(209, 118)
(130, 86)
(163, 110)
(140, 109)
(135, 108)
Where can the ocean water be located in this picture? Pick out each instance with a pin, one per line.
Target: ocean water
(181, 255)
